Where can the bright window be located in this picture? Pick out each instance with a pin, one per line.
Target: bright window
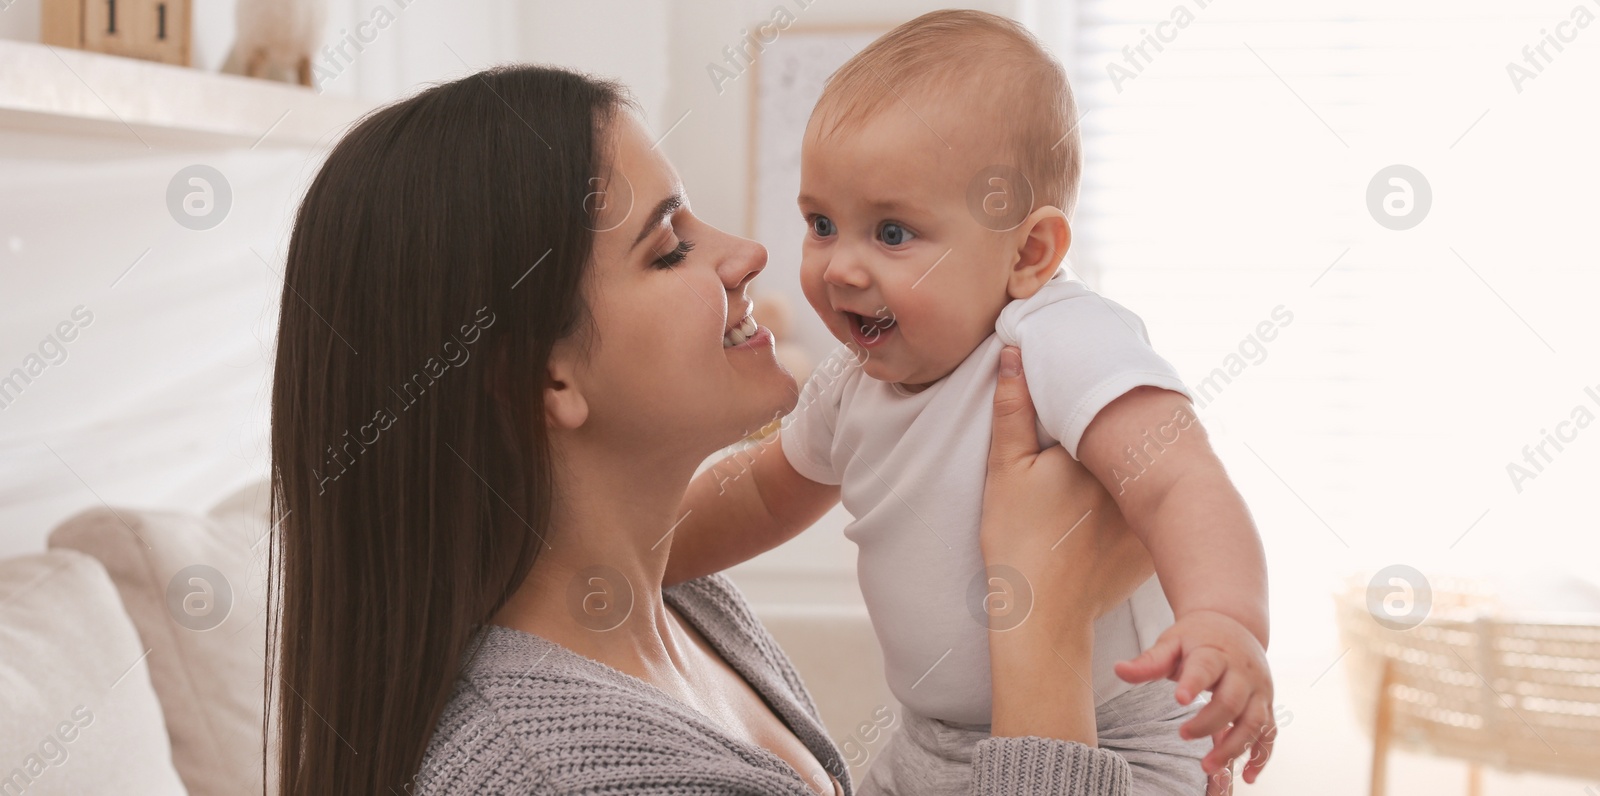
(1228, 154)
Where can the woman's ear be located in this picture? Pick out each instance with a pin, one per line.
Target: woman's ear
(564, 405)
(1046, 235)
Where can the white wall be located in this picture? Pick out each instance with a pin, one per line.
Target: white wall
(160, 402)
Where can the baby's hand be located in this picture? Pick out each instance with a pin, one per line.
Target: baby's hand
(1210, 651)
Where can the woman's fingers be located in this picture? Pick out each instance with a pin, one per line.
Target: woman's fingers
(1013, 437)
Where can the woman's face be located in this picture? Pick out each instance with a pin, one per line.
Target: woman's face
(666, 289)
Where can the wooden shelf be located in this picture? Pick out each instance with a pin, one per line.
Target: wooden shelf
(65, 91)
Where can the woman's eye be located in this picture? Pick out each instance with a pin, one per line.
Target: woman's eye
(822, 226)
(675, 256)
(893, 234)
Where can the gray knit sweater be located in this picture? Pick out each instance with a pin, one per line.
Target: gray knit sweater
(528, 716)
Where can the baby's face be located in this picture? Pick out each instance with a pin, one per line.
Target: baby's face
(894, 262)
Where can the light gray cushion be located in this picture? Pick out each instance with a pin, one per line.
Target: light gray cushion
(79, 714)
(194, 585)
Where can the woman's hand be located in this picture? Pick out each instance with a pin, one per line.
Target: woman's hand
(1046, 516)
(1059, 555)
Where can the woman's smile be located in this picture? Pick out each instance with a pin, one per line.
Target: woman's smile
(760, 338)
(746, 334)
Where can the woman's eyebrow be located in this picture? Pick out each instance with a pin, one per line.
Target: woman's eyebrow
(667, 207)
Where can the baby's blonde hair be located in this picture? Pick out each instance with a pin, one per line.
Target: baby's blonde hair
(993, 60)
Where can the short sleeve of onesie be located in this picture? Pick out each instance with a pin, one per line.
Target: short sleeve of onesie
(806, 434)
(1081, 351)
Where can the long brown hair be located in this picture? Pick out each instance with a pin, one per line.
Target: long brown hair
(436, 259)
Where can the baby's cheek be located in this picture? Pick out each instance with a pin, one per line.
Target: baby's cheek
(957, 330)
(928, 328)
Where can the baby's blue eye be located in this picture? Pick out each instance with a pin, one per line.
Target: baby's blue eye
(893, 234)
(822, 226)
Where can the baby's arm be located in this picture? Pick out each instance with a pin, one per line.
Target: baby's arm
(741, 507)
(1151, 453)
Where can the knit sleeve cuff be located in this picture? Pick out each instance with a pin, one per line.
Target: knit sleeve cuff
(1034, 766)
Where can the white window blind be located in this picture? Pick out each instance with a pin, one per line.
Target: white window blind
(1226, 178)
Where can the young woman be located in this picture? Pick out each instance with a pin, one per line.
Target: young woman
(503, 352)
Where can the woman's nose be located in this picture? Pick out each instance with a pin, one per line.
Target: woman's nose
(747, 260)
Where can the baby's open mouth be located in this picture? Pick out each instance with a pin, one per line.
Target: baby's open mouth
(869, 332)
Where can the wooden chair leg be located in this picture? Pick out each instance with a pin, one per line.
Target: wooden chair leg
(1382, 730)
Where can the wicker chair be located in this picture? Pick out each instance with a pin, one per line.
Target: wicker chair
(1518, 692)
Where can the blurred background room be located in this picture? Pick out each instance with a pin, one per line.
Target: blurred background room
(1358, 229)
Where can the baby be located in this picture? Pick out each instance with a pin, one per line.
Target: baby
(938, 171)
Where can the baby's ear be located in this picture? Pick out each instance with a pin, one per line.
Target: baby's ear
(1043, 238)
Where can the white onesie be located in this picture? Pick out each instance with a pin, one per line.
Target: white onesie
(911, 468)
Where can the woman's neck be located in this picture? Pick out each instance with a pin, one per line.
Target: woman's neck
(596, 586)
